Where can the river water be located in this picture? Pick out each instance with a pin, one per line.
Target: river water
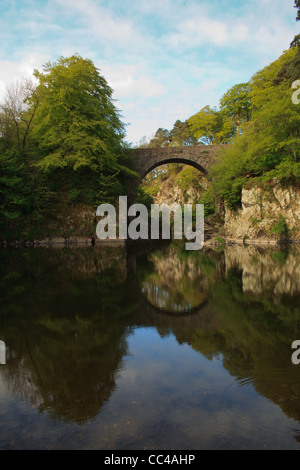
(103, 348)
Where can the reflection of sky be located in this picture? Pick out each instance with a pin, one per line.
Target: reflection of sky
(3, 387)
(179, 399)
(167, 396)
(22, 426)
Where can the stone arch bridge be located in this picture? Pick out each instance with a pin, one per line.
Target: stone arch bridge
(201, 157)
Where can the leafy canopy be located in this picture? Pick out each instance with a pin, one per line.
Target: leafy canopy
(211, 126)
(236, 104)
(76, 123)
(270, 144)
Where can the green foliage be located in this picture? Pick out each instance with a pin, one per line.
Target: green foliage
(151, 190)
(280, 257)
(158, 172)
(76, 122)
(287, 171)
(189, 178)
(26, 198)
(208, 199)
(13, 192)
(210, 126)
(62, 142)
(270, 144)
(18, 110)
(160, 139)
(175, 168)
(297, 5)
(280, 227)
(181, 135)
(296, 41)
(144, 197)
(73, 195)
(110, 187)
(236, 104)
(262, 123)
(290, 70)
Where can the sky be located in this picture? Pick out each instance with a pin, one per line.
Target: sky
(164, 59)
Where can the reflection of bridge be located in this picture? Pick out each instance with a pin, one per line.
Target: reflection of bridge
(148, 308)
(201, 157)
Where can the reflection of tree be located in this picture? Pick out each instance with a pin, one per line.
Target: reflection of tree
(66, 336)
(254, 338)
(251, 320)
(65, 316)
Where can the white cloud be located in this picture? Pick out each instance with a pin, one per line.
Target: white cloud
(131, 81)
(103, 24)
(251, 32)
(11, 71)
(196, 31)
(165, 60)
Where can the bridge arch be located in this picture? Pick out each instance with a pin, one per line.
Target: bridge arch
(146, 159)
(201, 157)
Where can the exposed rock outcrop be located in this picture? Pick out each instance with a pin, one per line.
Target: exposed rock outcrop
(265, 213)
(170, 192)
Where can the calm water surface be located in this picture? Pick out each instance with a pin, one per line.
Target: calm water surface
(167, 350)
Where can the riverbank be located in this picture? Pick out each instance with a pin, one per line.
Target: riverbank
(83, 242)
(245, 242)
(60, 242)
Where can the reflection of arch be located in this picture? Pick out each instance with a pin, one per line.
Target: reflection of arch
(2, 352)
(192, 311)
(148, 306)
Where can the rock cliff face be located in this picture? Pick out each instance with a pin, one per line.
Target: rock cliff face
(170, 192)
(271, 213)
(265, 213)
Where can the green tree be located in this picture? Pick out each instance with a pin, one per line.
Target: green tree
(296, 40)
(18, 110)
(23, 190)
(181, 135)
(297, 5)
(277, 120)
(290, 70)
(76, 122)
(270, 144)
(77, 127)
(161, 138)
(13, 193)
(210, 126)
(263, 83)
(236, 104)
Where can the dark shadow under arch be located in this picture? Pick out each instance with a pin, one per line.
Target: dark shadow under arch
(174, 160)
(153, 308)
